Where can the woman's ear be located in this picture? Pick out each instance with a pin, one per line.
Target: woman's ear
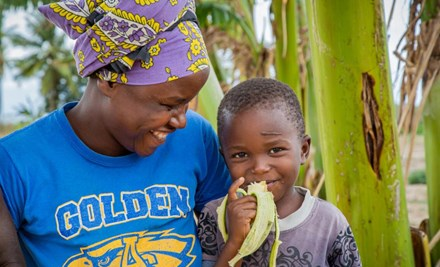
(106, 88)
(305, 148)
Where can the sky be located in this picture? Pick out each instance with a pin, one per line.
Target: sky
(26, 92)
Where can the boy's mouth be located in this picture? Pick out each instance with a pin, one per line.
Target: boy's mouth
(269, 183)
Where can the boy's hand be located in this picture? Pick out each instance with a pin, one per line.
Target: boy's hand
(240, 212)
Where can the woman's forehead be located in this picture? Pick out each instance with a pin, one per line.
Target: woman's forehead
(177, 91)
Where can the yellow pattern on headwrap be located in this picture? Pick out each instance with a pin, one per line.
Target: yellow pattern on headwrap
(147, 65)
(108, 76)
(107, 31)
(94, 44)
(195, 47)
(146, 2)
(124, 78)
(81, 56)
(171, 77)
(69, 16)
(109, 42)
(197, 66)
(136, 18)
(155, 49)
(183, 29)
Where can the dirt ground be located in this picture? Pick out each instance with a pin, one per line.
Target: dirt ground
(416, 194)
(416, 203)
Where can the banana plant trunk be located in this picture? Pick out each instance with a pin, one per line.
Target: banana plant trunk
(431, 121)
(358, 127)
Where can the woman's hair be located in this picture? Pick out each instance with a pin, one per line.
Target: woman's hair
(261, 93)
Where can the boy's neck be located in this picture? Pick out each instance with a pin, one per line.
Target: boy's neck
(289, 204)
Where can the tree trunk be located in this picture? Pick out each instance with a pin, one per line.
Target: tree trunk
(357, 127)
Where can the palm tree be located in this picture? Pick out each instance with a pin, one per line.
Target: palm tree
(7, 5)
(358, 130)
(49, 59)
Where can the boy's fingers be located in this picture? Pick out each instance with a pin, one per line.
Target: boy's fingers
(232, 193)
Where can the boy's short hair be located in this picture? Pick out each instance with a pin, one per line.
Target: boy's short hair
(261, 93)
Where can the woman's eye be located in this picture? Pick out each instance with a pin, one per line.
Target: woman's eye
(173, 107)
(239, 155)
(168, 107)
(275, 150)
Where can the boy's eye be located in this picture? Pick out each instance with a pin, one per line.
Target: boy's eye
(275, 150)
(239, 155)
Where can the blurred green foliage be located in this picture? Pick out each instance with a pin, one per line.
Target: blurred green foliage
(417, 177)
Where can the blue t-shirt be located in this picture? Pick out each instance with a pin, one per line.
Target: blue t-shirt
(75, 207)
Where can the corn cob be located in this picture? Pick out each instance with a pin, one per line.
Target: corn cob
(265, 219)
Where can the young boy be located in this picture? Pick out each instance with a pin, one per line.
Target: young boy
(262, 137)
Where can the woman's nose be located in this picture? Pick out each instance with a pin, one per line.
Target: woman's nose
(178, 117)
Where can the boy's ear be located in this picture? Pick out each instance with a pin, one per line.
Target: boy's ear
(107, 88)
(305, 148)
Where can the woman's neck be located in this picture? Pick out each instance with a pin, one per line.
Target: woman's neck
(88, 122)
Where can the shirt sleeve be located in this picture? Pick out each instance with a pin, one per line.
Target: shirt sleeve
(208, 263)
(207, 231)
(216, 180)
(344, 251)
(11, 186)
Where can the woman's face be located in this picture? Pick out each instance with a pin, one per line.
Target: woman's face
(262, 145)
(141, 117)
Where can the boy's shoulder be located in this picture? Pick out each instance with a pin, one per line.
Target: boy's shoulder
(212, 205)
(328, 207)
(328, 212)
(316, 210)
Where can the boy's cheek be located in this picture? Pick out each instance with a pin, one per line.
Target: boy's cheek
(235, 172)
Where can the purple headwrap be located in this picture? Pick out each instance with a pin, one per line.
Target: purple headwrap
(137, 42)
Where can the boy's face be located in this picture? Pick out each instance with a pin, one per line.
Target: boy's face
(261, 145)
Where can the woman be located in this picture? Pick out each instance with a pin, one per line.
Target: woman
(110, 179)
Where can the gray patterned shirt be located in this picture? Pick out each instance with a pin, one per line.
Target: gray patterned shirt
(317, 234)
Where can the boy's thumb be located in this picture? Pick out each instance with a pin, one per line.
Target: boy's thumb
(232, 193)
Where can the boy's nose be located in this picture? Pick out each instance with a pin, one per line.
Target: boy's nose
(260, 166)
